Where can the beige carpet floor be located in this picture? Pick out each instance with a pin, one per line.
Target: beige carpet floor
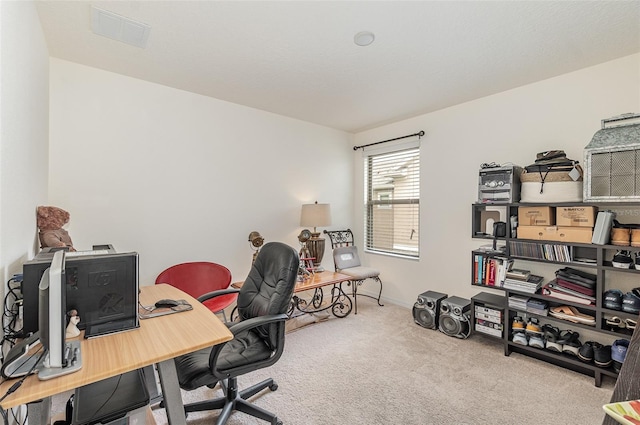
(379, 367)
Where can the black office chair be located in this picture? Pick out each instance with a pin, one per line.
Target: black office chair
(258, 339)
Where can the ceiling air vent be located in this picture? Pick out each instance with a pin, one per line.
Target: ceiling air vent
(111, 25)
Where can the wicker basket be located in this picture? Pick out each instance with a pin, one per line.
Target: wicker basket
(551, 176)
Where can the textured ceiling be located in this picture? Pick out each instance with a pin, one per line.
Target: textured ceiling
(298, 58)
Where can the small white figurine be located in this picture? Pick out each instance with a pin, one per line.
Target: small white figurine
(72, 327)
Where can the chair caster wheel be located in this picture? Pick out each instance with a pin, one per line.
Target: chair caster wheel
(273, 387)
(276, 421)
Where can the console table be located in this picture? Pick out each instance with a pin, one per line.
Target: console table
(340, 305)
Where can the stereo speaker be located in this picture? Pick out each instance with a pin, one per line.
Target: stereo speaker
(454, 317)
(427, 308)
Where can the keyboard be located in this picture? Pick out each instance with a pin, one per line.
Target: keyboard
(90, 252)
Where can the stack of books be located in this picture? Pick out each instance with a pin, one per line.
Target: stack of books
(573, 285)
(518, 302)
(538, 307)
(519, 274)
(530, 285)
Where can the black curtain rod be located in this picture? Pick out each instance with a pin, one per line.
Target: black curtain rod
(419, 134)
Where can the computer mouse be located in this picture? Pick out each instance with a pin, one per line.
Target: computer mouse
(166, 303)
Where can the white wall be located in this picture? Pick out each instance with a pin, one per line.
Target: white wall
(182, 177)
(24, 116)
(179, 177)
(558, 113)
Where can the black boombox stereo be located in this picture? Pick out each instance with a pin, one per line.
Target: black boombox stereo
(499, 184)
(427, 308)
(454, 317)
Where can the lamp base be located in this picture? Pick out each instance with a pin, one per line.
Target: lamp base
(316, 249)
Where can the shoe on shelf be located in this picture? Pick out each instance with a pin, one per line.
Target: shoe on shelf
(615, 323)
(613, 299)
(533, 326)
(619, 352)
(552, 335)
(602, 355)
(536, 341)
(637, 262)
(520, 338)
(517, 325)
(631, 301)
(630, 323)
(620, 236)
(622, 260)
(585, 353)
(572, 314)
(570, 342)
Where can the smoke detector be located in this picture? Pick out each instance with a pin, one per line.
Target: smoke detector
(364, 38)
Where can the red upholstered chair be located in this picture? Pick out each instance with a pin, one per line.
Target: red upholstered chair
(198, 278)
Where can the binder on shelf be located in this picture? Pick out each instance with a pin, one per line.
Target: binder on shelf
(554, 293)
(488, 330)
(602, 229)
(488, 317)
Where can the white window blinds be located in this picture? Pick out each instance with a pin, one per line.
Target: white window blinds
(392, 213)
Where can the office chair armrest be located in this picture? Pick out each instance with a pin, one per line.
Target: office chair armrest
(246, 325)
(254, 322)
(204, 297)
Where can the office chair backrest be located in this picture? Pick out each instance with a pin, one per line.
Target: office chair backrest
(346, 257)
(269, 286)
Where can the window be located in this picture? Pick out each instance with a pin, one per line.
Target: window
(392, 184)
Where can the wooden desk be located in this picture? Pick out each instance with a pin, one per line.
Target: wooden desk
(158, 340)
(341, 305)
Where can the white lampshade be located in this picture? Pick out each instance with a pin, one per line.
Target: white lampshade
(315, 215)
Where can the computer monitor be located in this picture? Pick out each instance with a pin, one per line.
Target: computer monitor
(103, 288)
(52, 312)
(61, 357)
(52, 359)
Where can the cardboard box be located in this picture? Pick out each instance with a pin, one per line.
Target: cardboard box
(536, 216)
(556, 233)
(576, 216)
(575, 234)
(534, 232)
